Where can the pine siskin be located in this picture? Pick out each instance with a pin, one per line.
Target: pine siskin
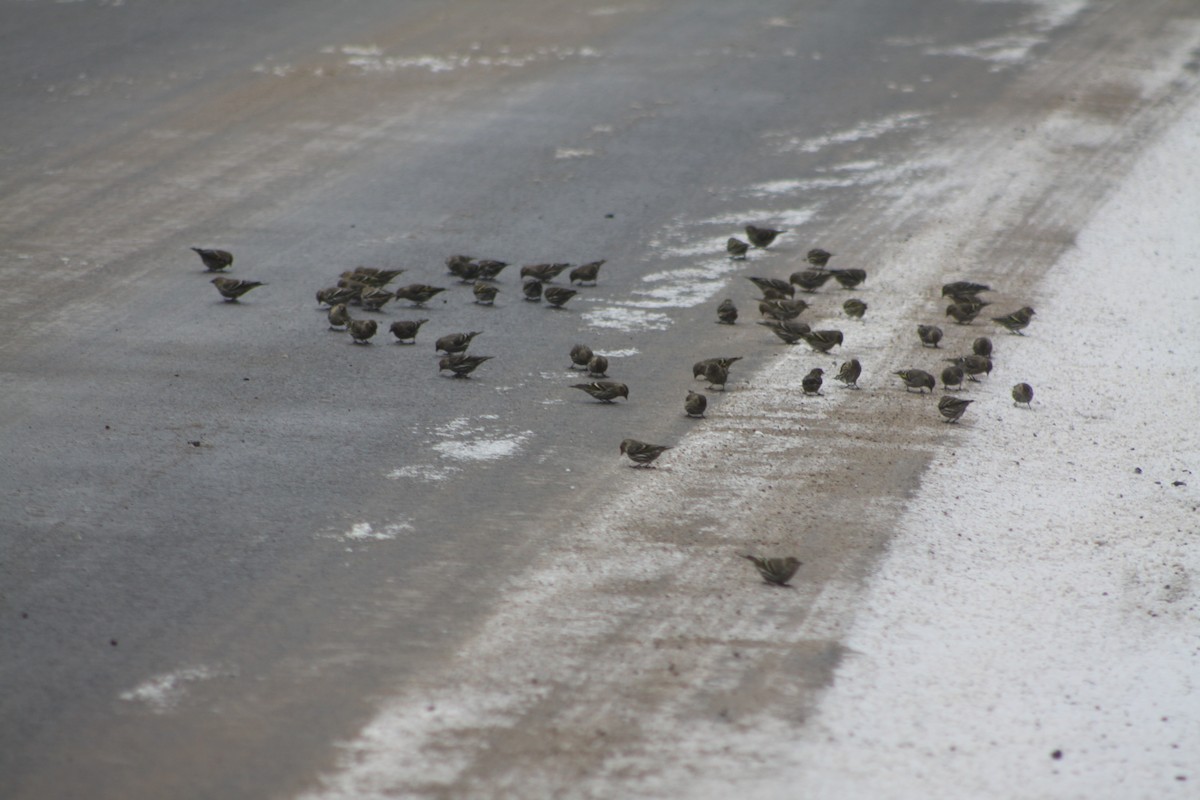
(373, 299)
(456, 342)
(466, 270)
(849, 278)
(823, 341)
(982, 346)
(543, 272)
(533, 290)
(598, 367)
(789, 331)
(461, 364)
(782, 309)
(586, 273)
(810, 280)
(489, 269)
(767, 285)
(916, 379)
(214, 260)
(362, 330)
(1016, 320)
(700, 367)
(973, 365)
(736, 248)
(761, 237)
(952, 407)
(964, 287)
(231, 288)
(727, 312)
(849, 372)
(694, 404)
(418, 293)
(929, 335)
(339, 316)
(557, 296)
(854, 308)
(375, 276)
(455, 263)
(641, 453)
(952, 376)
(777, 571)
(333, 295)
(581, 354)
(818, 257)
(811, 383)
(716, 374)
(485, 293)
(407, 329)
(1023, 393)
(964, 314)
(604, 391)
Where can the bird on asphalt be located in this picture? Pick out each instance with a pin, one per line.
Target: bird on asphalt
(952, 407)
(455, 263)
(581, 354)
(406, 329)
(809, 280)
(929, 335)
(463, 268)
(789, 331)
(963, 313)
(1017, 320)
(717, 374)
(490, 268)
(818, 257)
(586, 273)
(736, 248)
(373, 276)
(982, 346)
(604, 391)
(701, 367)
(694, 404)
(532, 290)
(849, 278)
(784, 308)
(362, 330)
(418, 293)
(485, 293)
(761, 237)
(557, 296)
(823, 341)
(952, 376)
(769, 285)
(849, 373)
(854, 308)
(214, 260)
(964, 287)
(339, 317)
(776, 571)
(231, 288)
(333, 295)
(916, 379)
(461, 364)
(597, 367)
(642, 454)
(543, 272)
(973, 365)
(1022, 393)
(374, 298)
(727, 312)
(811, 383)
(455, 342)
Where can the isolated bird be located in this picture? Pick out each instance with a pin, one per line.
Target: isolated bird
(586, 273)
(362, 330)
(489, 269)
(916, 379)
(339, 316)
(982, 346)
(849, 278)
(810, 280)
(717, 374)
(777, 571)
(543, 272)
(461, 364)
(418, 293)
(214, 260)
(1016, 320)
(823, 341)
(694, 404)
(964, 287)
(581, 354)
(604, 391)
(818, 257)
(761, 237)
(231, 288)
(973, 365)
(929, 335)
(952, 407)
(727, 312)
(736, 248)
(783, 308)
(404, 329)
(811, 383)
(768, 285)
(532, 290)
(849, 372)
(485, 293)
(556, 296)
(455, 342)
(641, 453)
(854, 308)
(952, 376)
(598, 367)
(700, 367)
(1023, 393)
(789, 331)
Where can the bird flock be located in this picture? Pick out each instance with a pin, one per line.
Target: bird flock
(366, 289)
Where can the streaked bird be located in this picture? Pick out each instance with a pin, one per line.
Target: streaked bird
(849, 373)
(818, 257)
(789, 331)
(964, 287)
(929, 335)
(373, 276)
(952, 407)
(463, 268)
(849, 278)
(641, 453)
(586, 273)
(455, 342)
(982, 346)
(543, 272)
(1017, 320)
(700, 367)
(406, 329)
(333, 295)
(782, 309)
(952, 376)
(362, 330)
(823, 341)
(557, 296)
(761, 237)
(214, 260)
(374, 298)
(485, 293)
(736, 248)
(776, 571)
(461, 364)
(532, 290)
(418, 293)
(604, 391)
(767, 285)
(339, 316)
(973, 365)
(231, 288)
(581, 354)
(717, 374)
(454, 263)
(727, 312)
(811, 383)
(1023, 393)
(598, 367)
(694, 404)
(964, 314)
(810, 280)
(916, 379)
(490, 268)
(854, 308)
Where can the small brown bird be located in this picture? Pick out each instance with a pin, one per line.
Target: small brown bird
(973, 365)
(376, 276)
(849, 278)
(1017, 320)
(849, 373)
(362, 330)
(916, 379)
(823, 341)
(761, 237)
(854, 308)
(374, 298)
(809, 280)
(727, 312)
(963, 313)
(779, 287)
(700, 367)
(789, 331)
(533, 291)
(333, 295)
(231, 288)
(581, 355)
(783, 308)
(586, 273)
(818, 257)
(929, 335)
(557, 296)
(736, 248)
(964, 287)
(694, 404)
(489, 269)
(404, 329)
(418, 293)
(461, 364)
(543, 272)
(982, 346)
(776, 571)
(952, 376)
(1022, 393)
(598, 367)
(455, 263)
(953, 407)
(717, 374)
(455, 342)
(811, 383)
(604, 391)
(463, 268)
(214, 260)
(641, 453)
(339, 317)
(485, 293)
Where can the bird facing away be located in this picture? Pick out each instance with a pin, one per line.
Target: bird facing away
(485, 293)
(823, 341)
(1017, 320)
(586, 273)
(952, 376)
(964, 287)
(716, 374)
(581, 354)
(542, 272)
(727, 312)
(849, 278)
(776, 571)
(362, 330)
(557, 296)
(694, 404)
(456, 342)
(929, 335)
(982, 346)
(418, 293)
(1022, 393)
(761, 237)
(339, 316)
(604, 391)
(532, 290)
(768, 285)
(641, 453)
(916, 379)
(952, 407)
(811, 383)
(973, 365)
(736, 248)
(789, 331)
(849, 372)
(404, 329)
(461, 364)
(854, 308)
(231, 288)
(818, 257)
(597, 367)
(214, 260)
(809, 280)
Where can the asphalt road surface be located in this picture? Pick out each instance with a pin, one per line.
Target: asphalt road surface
(230, 535)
